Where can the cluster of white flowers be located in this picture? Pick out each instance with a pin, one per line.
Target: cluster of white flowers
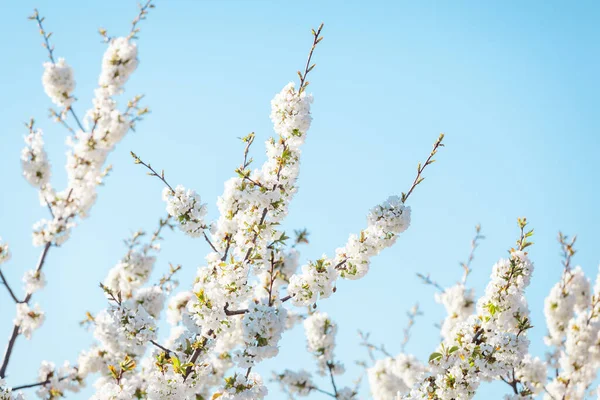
(390, 376)
(262, 329)
(531, 372)
(240, 387)
(459, 302)
(486, 346)
(315, 282)
(55, 231)
(58, 380)
(118, 63)
(187, 209)
(177, 305)
(320, 333)
(130, 273)
(4, 252)
(579, 359)
(34, 160)
(125, 329)
(34, 280)
(28, 319)
(6, 392)
(570, 295)
(295, 383)
(59, 82)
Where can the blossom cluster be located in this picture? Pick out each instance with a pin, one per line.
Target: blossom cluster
(487, 345)
(34, 160)
(187, 209)
(4, 252)
(459, 302)
(389, 376)
(59, 82)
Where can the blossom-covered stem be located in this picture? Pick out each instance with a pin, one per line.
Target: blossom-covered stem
(421, 167)
(10, 291)
(50, 48)
(15, 331)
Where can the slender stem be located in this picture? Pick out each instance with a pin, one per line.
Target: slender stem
(139, 17)
(421, 167)
(31, 385)
(160, 176)
(160, 347)
(47, 45)
(209, 242)
(474, 244)
(76, 118)
(10, 291)
(308, 67)
(323, 391)
(330, 367)
(15, 331)
(271, 278)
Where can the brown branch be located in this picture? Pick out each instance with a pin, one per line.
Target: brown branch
(15, 331)
(10, 291)
(161, 347)
(160, 176)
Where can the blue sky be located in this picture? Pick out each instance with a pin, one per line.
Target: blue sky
(514, 86)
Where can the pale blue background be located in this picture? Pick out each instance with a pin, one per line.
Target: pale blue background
(513, 84)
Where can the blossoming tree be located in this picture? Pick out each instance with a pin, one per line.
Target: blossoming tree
(251, 289)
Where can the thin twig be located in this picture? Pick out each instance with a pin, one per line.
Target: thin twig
(15, 332)
(10, 291)
(420, 168)
(474, 244)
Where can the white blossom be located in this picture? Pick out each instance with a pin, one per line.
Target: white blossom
(59, 82)
(34, 280)
(28, 319)
(34, 160)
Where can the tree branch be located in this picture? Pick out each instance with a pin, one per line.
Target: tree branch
(10, 291)
(15, 331)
